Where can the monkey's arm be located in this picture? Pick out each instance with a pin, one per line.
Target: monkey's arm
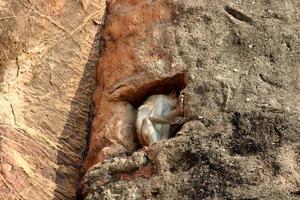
(149, 133)
(173, 117)
(159, 119)
(166, 119)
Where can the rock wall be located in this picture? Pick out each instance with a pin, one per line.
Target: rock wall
(132, 66)
(237, 61)
(240, 63)
(48, 57)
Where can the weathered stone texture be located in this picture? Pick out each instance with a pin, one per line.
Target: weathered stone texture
(241, 60)
(49, 50)
(139, 58)
(237, 60)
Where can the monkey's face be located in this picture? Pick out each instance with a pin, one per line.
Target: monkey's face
(173, 101)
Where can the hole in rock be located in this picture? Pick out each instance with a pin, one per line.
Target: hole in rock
(162, 86)
(166, 86)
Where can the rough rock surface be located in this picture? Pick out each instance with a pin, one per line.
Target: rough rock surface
(49, 51)
(129, 70)
(241, 62)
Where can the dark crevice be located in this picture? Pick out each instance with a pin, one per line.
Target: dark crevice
(2, 71)
(97, 48)
(18, 67)
(288, 45)
(85, 89)
(79, 195)
(270, 81)
(162, 86)
(296, 193)
(13, 112)
(238, 15)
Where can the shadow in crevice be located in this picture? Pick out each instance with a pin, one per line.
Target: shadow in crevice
(74, 138)
(160, 86)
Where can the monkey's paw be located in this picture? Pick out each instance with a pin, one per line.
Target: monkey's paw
(179, 121)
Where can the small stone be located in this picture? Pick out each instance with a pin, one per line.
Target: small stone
(248, 99)
(251, 46)
(235, 70)
(265, 105)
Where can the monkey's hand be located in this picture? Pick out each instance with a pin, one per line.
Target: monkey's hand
(178, 121)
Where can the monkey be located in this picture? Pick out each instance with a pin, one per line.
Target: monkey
(157, 115)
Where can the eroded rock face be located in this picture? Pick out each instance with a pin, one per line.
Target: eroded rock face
(241, 99)
(48, 57)
(132, 66)
(113, 131)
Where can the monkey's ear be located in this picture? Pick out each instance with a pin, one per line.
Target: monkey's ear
(173, 94)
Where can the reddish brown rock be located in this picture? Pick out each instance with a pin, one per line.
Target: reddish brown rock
(132, 66)
(113, 131)
(144, 172)
(49, 52)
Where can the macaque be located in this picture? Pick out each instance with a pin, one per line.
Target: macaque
(157, 115)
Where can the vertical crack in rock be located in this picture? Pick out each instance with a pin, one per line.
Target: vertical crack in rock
(13, 113)
(82, 99)
(18, 67)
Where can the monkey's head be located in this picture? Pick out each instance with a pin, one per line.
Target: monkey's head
(172, 99)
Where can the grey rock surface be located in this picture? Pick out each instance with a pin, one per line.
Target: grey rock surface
(242, 140)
